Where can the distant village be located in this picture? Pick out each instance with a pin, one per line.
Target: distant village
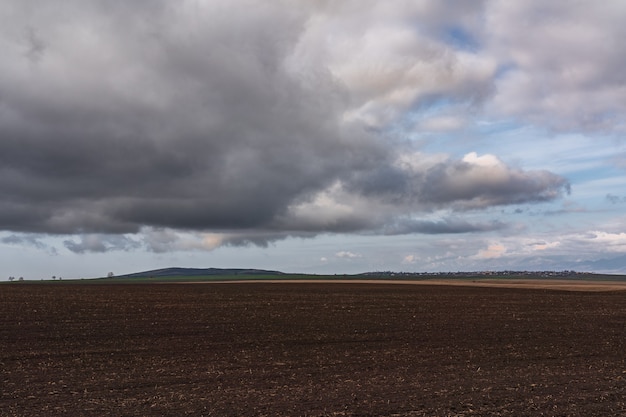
(479, 274)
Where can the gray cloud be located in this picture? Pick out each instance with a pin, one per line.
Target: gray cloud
(472, 182)
(615, 199)
(35, 46)
(27, 240)
(100, 243)
(469, 186)
(115, 117)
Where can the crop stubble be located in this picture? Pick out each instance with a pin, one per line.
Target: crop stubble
(310, 349)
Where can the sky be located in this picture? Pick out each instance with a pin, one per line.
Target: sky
(312, 136)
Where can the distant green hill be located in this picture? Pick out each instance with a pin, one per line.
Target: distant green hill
(191, 272)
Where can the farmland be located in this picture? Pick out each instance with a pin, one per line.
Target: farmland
(260, 348)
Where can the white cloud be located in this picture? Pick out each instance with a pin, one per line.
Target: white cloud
(390, 56)
(542, 246)
(610, 242)
(486, 161)
(348, 255)
(495, 250)
(565, 62)
(410, 259)
(167, 240)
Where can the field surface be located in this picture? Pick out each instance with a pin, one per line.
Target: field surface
(310, 349)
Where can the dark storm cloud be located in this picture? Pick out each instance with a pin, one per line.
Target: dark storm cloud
(115, 116)
(214, 132)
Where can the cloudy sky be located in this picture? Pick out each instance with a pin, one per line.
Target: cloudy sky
(311, 136)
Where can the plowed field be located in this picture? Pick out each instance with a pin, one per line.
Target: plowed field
(310, 349)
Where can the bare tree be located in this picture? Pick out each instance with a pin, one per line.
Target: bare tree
(110, 275)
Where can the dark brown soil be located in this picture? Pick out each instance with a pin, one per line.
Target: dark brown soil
(310, 350)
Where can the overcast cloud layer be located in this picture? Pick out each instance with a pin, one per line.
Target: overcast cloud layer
(191, 125)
